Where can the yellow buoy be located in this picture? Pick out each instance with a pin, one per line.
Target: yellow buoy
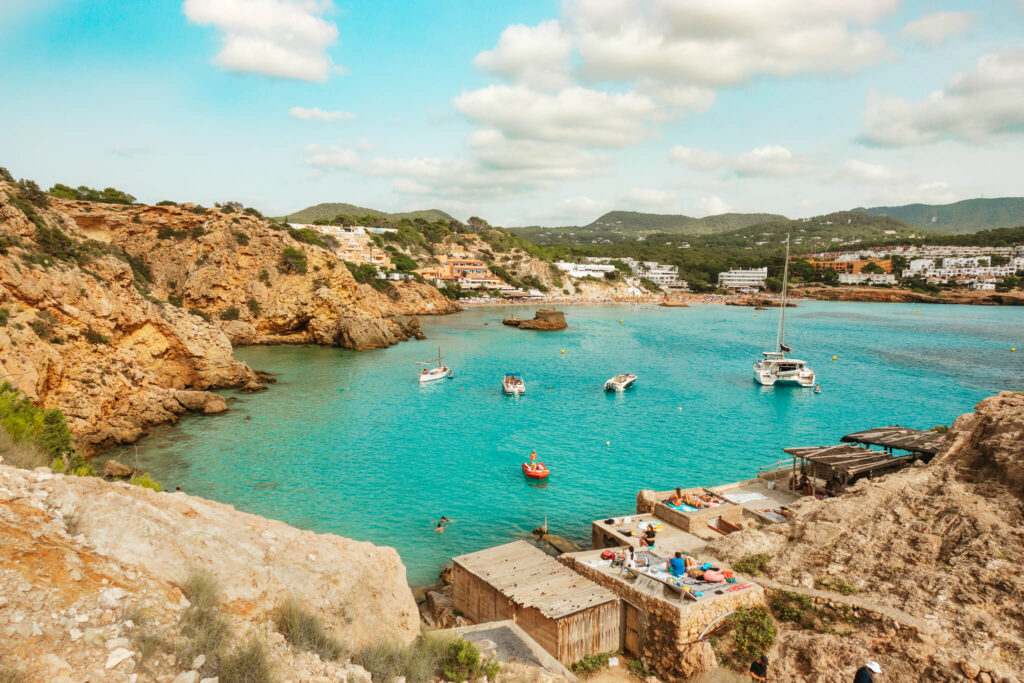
(1013, 349)
(620, 320)
(755, 315)
(563, 352)
(833, 357)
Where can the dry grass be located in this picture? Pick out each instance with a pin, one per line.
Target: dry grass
(246, 664)
(205, 629)
(18, 454)
(306, 631)
(429, 657)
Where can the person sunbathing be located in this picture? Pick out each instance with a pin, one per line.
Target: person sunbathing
(647, 540)
(692, 501)
(676, 498)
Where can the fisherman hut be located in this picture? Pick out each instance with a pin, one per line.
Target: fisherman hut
(568, 615)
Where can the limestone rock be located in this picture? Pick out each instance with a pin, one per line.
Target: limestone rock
(113, 468)
(201, 401)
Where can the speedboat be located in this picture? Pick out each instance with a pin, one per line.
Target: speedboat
(620, 382)
(776, 366)
(429, 374)
(513, 384)
(536, 471)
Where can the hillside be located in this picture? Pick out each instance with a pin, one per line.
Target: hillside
(627, 226)
(969, 215)
(329, 210)
(840, 229)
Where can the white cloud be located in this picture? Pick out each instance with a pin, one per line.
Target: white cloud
(934, 192)
(712, 43)
(974, 106)
(282, 38)
(574, 211)
(574, 115)
(498, 166)
(713, 205)
(649, 200)
(534, 55)
(769, 160)
(856, 171)
(331, 157)
(316, 114)
(406, 186)
(933, 29)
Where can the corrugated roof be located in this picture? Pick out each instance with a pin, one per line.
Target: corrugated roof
(844, 458)
(530, 577)
(903, 438)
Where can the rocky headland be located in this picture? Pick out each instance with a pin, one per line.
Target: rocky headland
(919, 570)
(902, 295)
(124, 316)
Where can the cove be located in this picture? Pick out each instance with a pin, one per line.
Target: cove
(350, 443)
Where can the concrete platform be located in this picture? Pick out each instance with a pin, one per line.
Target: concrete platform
(669, 539)
(509, 643)
(754, 494)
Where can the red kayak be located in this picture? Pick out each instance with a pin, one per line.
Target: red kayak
(538, 471)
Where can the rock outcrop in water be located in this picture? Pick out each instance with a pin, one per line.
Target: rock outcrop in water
(91, 575)
(543, 319)
(125, 316)
(931, 556)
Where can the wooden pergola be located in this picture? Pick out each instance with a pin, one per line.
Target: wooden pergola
(899, 438)
(844, 463)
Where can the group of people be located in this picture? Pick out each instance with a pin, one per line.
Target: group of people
(700, 500)
(804, 486)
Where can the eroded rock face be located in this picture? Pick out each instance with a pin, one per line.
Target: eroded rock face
(942, 543)
(81, 556)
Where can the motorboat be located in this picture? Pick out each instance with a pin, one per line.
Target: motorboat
(536, 471)
(513, 384)
(620, 382)
(777, 366)
(431, 374)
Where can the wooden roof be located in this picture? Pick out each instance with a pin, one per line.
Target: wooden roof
(903, 438)
(851, 460)
(530, 577)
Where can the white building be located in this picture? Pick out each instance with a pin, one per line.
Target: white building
(966, 262)
(921, 264)
(867, 278)
(584, 269)
(984, 286)
(944, 274)
(743, 280)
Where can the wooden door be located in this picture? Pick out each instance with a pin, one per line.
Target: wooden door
(632, 631)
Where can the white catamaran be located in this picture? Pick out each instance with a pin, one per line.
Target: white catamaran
(431, 374)
(776, 366)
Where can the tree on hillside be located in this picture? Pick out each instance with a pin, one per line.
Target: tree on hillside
(873, 269)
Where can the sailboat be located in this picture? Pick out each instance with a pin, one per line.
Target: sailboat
(428, 374)
(776, 366)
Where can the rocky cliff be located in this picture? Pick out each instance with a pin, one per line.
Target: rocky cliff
(92, 576)
(124, 316)
(928, 560)
(900, 295)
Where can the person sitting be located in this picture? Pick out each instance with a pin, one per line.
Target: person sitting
(805, 485)
(676, 498)
(866, 674)
(647, 540)
(759, 669)
(676, 566)
(629, 562)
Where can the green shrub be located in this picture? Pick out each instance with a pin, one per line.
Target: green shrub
(73, 463)
(836, 584)
(754, 632)
(254, 306)
(107, 195)
(25, 455)
(246, 664)
(174, 300)
(53, 242)
(249, 211)
(402, 262)
(292, 261)
(638, 669)
(166, 202)
(5, 175)
(202, 314)
(752, 564)
(230, 313)
(146, 481)
(430, 656)
(94, 337)
(31, 192)
(43, 325)
(265, 277)
(311, 236)
(241, 237)
(591, 663)
(305, 631)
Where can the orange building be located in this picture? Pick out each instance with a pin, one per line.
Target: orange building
(851, 266)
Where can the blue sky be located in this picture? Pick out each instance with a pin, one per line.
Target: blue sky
(524, 113)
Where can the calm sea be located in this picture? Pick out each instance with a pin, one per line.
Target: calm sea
(350, 443)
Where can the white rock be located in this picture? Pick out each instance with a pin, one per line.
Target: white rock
(215, 679)
(115, 643)
(75, 634)
(187, 677)
(110, 597)
(198, 662)
(54, 664)
(117, 656)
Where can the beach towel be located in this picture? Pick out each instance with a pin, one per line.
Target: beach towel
(739, 498)
(684, 507)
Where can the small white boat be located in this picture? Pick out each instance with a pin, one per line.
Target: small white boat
(428, 374)
(776, 366)
(620, 382)
(513, 384)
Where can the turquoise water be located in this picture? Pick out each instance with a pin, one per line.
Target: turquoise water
(350, 443)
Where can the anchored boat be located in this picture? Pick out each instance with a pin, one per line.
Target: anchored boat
(513, 384)
(429, 374)
(536, 471)
(620, 382)
(776, 366)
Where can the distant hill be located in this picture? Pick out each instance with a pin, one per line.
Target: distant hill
(969, 215)
(332, 209)
(841, 229)
(626, 226)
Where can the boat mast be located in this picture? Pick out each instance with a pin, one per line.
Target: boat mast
(780, 338)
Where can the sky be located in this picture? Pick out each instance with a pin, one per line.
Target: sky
(532, 112)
